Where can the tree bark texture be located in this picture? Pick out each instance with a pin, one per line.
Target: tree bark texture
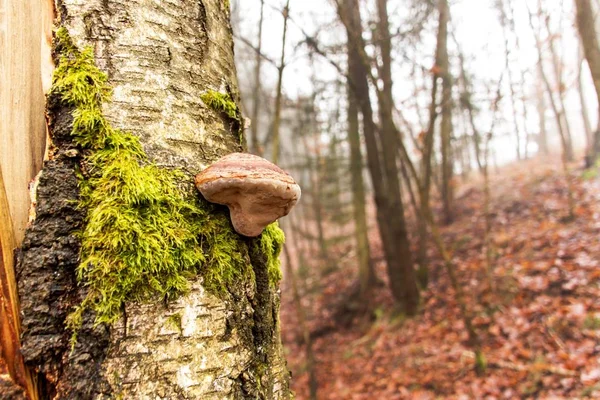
(591, 49)
(159, 57)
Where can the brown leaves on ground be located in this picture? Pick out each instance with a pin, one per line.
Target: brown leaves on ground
(540, 327)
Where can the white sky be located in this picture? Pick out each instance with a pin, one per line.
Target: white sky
(477, 29)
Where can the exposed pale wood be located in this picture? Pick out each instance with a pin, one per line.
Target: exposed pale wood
(25, 71)
(23, 27)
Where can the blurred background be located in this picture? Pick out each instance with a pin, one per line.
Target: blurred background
(446, 242)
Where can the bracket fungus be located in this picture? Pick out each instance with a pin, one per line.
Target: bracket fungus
(256, 191)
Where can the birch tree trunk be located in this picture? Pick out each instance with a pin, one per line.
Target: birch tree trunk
(160, 57)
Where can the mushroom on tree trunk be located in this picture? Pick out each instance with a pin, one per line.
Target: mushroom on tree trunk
(256, 191)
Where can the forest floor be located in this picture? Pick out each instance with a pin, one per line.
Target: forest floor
(540, 327)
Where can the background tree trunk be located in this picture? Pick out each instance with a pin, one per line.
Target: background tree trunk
(381, 156)
(159, 61)
(541, 111)
(441, 58)
(278, 97)
(366, 273)
(591, 49)
(589, 135)
(446, 125)
(504, 21)
(255, 146)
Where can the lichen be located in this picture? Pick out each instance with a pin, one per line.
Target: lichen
(146, 233)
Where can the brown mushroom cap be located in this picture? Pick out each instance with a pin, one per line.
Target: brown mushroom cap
(256, 191)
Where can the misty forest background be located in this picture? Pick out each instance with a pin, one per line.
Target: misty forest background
(446, 242)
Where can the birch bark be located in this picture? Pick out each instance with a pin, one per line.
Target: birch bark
(160, 56)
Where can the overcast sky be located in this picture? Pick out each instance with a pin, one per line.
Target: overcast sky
(477, 29)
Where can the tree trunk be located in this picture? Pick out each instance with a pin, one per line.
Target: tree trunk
(446, 125)
(160, 59)
(511, 84)
(278, 97)
(589, 40)
(541, 110)
(558, 67)
(366, 274)
(400, 270)
(390, 212)
(562, 131)
(255, 146)
(589, 135)
(520, 79)
(425, 185)
(316, 178)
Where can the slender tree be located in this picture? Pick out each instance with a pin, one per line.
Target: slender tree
(520, 79)
(427, 149)
(542, 140)
(504, 21)
(589, 135)
(278, 95)
(589, 41)
(558, 114)
(560, 89)
(255, 146)
(365, 267)
(443, 64)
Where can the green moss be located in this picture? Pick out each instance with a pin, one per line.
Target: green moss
(223, 103)
(174, 321)
(271, 244)
(145, 235)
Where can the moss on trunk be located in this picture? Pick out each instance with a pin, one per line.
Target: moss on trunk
(146, 233)
(114, 231)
